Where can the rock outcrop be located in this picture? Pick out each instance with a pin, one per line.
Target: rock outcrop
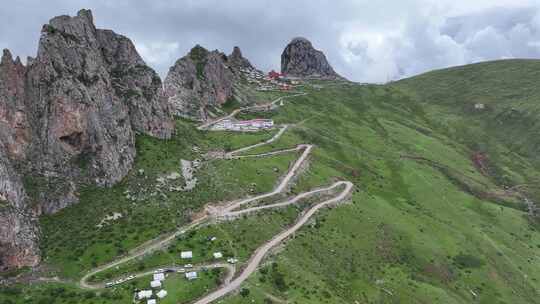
(70, 116)
(301, 59)
(237, 61)
(200, 82)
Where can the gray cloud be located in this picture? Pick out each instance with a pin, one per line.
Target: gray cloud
(365, 40)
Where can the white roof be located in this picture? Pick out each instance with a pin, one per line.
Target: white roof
(144, 294)
(159, 276)
(186, 254)
(151, 301)
(161, 294)
(191, 275)
(155, 284)
(218, 255)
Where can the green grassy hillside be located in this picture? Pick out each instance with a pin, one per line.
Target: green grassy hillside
(492, 107)
(427, 222)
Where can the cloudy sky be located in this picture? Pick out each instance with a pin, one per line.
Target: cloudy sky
(365, 40)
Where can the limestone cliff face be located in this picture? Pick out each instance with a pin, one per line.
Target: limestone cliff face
(18, 229)
(18, 225)
(14, 128)
(301, 59)
(203, 80)
(198, 82)
(71, 116)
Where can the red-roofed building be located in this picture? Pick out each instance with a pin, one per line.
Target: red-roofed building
(274, 75)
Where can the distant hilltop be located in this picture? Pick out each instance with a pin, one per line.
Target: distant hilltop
(301, 59)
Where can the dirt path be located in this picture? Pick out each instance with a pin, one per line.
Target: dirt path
(161, 243)
(259, 254)
(229, 211)
(271, 140)
(208, 124)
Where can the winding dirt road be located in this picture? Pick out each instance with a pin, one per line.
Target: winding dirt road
(208, 124)
(259, 254)
(229, 211)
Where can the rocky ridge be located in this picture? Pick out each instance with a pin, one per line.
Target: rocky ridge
(301, 59)
(200, 82)
(69, 117)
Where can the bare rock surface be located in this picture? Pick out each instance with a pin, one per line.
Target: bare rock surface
(69, 117)
(200, 82)
(301, 59)
(237, 61)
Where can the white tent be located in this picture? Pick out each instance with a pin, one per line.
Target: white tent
(159, 276)
(161, 294)
(186, 254)
(143, 294)
(191, 275)
(155, 284)
(218, 255)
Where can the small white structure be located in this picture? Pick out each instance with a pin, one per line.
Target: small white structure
(159, 276)
(186, 254)
(232, 260)
(479, 106)
(191, 275)
(161, 294)
(218, 255)
(144, 294)
(155, 284)
(151, 301)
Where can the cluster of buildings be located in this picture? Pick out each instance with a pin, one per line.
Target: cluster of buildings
(243, 125)
(156, 290)
(156, 283)
(269, 82)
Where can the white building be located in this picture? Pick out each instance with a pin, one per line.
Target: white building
(191, 275)
(162, 293)
(186, 254)
(159, 276)
(254, 123)
(244, 125)
(155, 284)
(144, 294)
(218, 255)
(151, 301)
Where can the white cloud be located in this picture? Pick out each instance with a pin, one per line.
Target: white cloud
(365, 40)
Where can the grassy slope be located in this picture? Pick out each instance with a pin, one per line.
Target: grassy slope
(507, 129)
(413, 232)
(412, 235)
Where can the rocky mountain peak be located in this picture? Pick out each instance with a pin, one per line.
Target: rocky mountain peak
(237, 60)
(6, 57)
(199, 81)
(70, 117)
(198, 52)
(236, 53)
(301, 40)
(301, 59)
